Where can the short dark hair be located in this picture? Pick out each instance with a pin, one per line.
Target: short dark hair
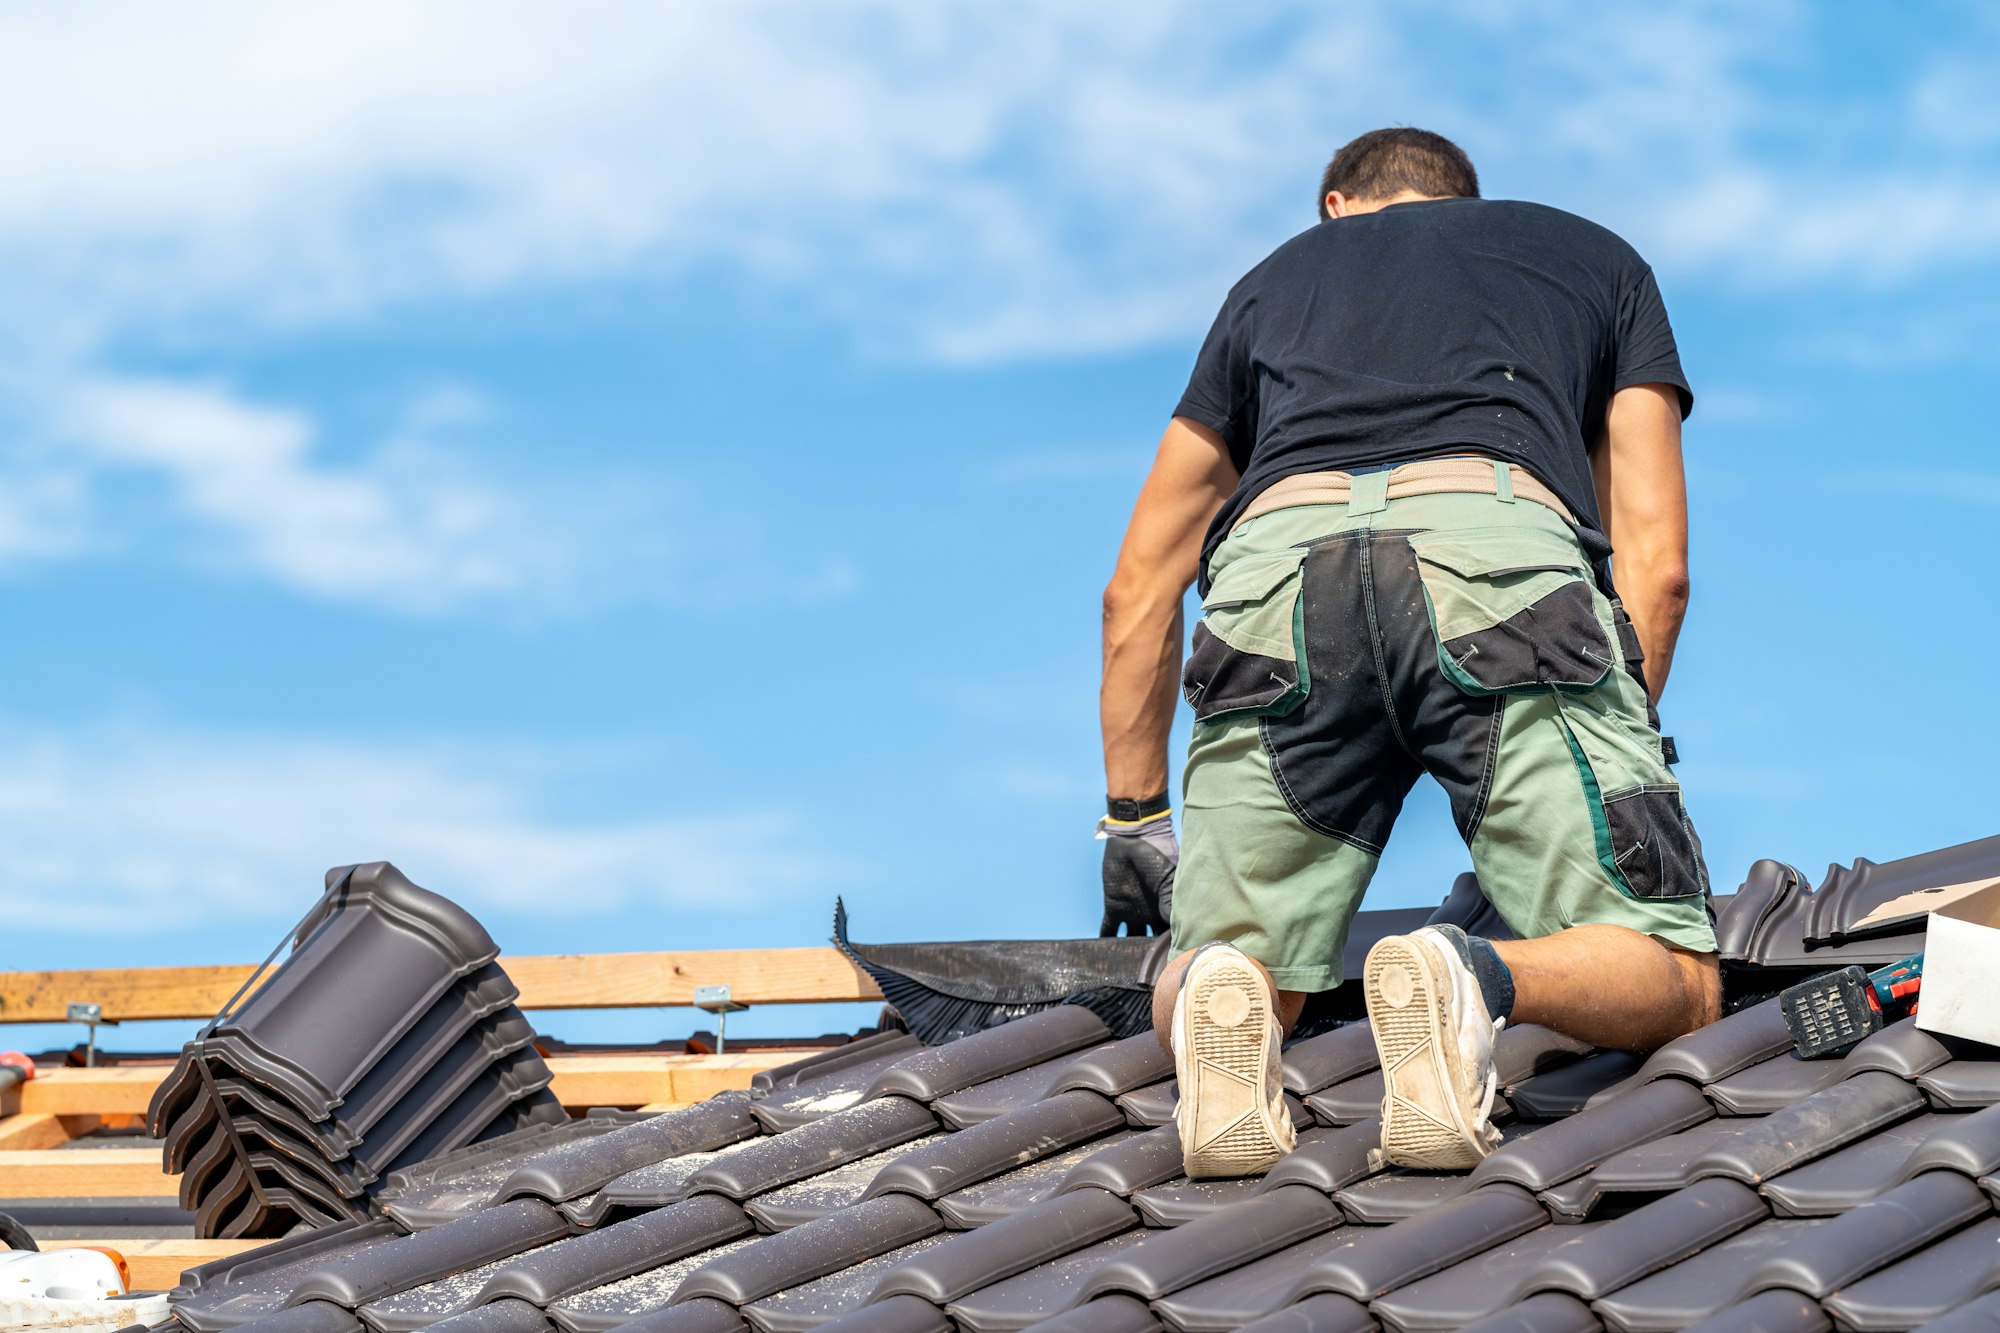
(1385, 162)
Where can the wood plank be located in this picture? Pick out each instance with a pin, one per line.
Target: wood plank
(581, 1082)
(547, 981)
(74, 1173)
(108, 1090)
(21, 1132)
(156, 1264)
(641, 980)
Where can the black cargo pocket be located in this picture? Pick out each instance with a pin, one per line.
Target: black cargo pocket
(1512, 608)
(1645, 841)
(1249, 655)
(1653, 844)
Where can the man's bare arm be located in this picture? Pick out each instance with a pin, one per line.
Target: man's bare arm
(1642, 494)
(1191, 477)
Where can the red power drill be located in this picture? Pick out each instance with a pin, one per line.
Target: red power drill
(1830, 1012)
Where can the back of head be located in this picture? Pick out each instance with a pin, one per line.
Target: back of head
(1384, 163)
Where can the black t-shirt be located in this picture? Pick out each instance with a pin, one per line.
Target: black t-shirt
(1445, 326)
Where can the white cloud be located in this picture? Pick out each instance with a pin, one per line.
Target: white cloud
(180, 833)
(409, 523)
(972, 181)
(954, 182)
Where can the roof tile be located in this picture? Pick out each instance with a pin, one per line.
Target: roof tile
(1107, 1314)
(1012, 1191)
(971, 1155)
(1126, 1165)
(1328, 1159)
(845, 1136)
(1181, 1201)
(1048, 1230)
(508, 1316)
(1395, 1195)
(1385, 1258)
(1475, 1287)
(577, 1168)
(897, 1314)
(1853, 1175)
(1117, 1068)
(1039, 1293)
(1666, 1231)
(620, 1250)
(615, 1303)
(1720, 1049)
(1568, 1148)
(352, 1280)
(1926, 1284)
(1564, 1090)
(833, 1295)
(1330, 1058)
(1769, 1312)
(791, 1258)
(1811, 1128)
(1329, 1312)
(1213, 1244)
(1547, 1312)
(939, 1071)
(1875, 1234)
(1695, 1288)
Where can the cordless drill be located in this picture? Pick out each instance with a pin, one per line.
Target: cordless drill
(1828, 1013)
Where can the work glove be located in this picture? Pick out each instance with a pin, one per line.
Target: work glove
(1140, 856)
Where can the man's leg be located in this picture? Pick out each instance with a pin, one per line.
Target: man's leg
(1286, 1003)
(1612, 986)
(1272, 900)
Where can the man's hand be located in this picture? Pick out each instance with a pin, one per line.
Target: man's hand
(1140, 857)
(1642, 495)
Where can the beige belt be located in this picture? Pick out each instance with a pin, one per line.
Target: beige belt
(1434, 476)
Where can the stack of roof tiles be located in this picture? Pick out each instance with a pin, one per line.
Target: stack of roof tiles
(387, 1036)
(1028, 1176)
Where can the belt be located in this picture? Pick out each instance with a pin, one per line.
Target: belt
(1468, 475)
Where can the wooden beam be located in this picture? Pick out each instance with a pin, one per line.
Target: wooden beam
(157, 1264)
(581, 1081)
(644, 980)
(547, 981)
(80, 1173)
(21, 1132)
(107, 1090)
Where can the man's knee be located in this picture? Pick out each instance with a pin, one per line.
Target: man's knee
(1701, 987)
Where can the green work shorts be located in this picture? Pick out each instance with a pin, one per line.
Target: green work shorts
(1343, 650)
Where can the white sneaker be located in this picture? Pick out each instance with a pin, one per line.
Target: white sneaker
(1435, 1039)
(1232, 1115)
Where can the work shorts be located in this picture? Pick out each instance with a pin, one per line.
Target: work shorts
(1346, 648)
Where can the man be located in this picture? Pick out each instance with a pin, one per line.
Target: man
(1409, 445)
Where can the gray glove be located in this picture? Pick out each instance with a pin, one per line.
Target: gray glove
(1140, 857)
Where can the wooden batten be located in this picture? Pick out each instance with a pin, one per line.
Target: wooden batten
(547, 981)
(85, 1173)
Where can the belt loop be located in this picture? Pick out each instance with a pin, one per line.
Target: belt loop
(1368, 493)
(1503, 482)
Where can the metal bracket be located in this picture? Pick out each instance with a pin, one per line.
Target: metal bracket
(715, 999)
(92, 1017)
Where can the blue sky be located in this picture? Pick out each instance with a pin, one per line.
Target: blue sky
(649, 474)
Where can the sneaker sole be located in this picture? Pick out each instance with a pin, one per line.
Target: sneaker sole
(1423, 1124)
(1226, 1028)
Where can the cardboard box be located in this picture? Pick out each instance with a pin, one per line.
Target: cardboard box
(1961, 991)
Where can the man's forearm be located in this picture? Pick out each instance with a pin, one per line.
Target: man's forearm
(1142, 666)
(1190, 478)
(1642, 495)
(1657, 604)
